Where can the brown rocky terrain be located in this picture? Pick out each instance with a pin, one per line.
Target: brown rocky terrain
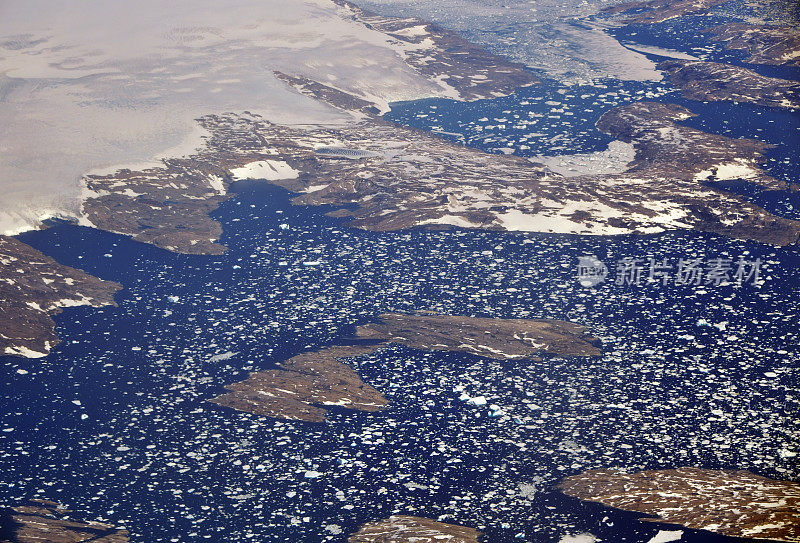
(387, 177)
(777, 44)
(304, 385)
(683, 159)
(468, 70)
(45, 522)
(406, 529)
(493, 338)
(765, 44)
(329, 95)
(417, 180)
(658, 11)
(33, 288)
(165, 206)
(733, 503)
(713, 81)
(307, 383)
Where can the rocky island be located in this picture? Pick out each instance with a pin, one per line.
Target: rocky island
(764, 44)
(715, 81)
(502, 339)
(46, 522)
(658, 11)
(732, 503)
(307, 383)
(407, 529)
(303, 386)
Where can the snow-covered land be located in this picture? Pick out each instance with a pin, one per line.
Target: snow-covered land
(94, 85)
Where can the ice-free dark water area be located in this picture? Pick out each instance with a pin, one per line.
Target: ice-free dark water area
(114, 423)
(544, 119)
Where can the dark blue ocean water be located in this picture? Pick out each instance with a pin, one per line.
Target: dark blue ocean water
(115, 423)
(153, 455)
